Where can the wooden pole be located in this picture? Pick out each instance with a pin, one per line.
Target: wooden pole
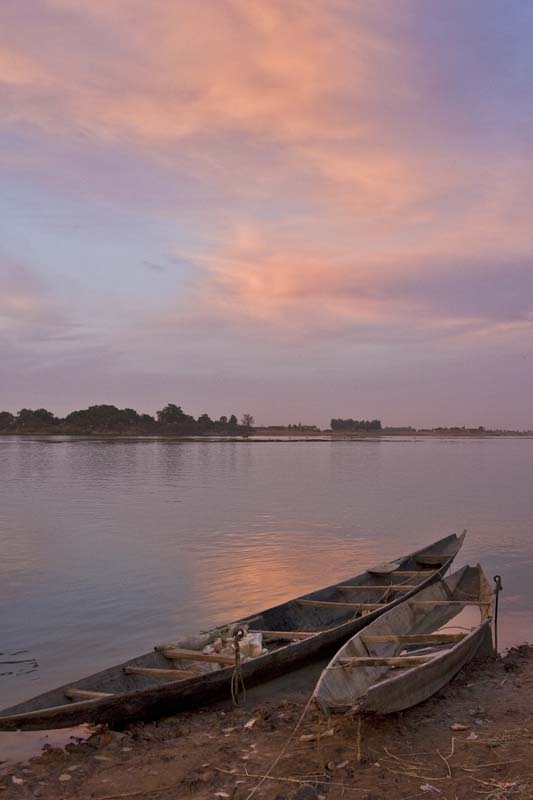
(285, 634)
(400, 587)
(414, 638)
(180, 654)
(392, 661)
(84, 694)
(166, 674)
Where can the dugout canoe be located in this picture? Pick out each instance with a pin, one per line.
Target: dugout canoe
(411, 651)
(177, 676)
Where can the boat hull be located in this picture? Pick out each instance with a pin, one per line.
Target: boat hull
(426, 680)
(367, 675)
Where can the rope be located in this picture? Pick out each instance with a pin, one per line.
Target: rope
(237, 680)
(282, 751)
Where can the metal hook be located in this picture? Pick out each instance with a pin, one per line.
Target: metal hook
(238, 635)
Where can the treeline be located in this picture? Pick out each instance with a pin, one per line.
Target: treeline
(355, 425)
(457, 429)
(105, 419)
(303, 428)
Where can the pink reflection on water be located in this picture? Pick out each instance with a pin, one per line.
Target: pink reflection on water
(273, 567)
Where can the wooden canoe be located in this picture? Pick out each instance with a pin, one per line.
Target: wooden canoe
(412, 650)
(179, 675)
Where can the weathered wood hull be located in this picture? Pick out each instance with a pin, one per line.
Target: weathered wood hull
(345, 686)
(405, 691)
(133, 697)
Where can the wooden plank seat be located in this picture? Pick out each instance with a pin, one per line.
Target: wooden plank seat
(85, 694)
(165, 674)
(413, 638)
(180, 654)
(51, 712)
(408, 573)
(285, 634)
(449, 602)
(396, 587)
(392, 661)
(339, 605)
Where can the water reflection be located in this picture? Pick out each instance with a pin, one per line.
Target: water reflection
(20, 746)
(110, 546)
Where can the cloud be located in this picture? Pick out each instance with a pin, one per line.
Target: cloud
(224, 65)
(297, 289)
(28, 310)
(315, 106)
(296, 100)
(16, 69)
(239, 87)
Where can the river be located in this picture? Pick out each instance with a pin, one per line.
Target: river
(111, 546)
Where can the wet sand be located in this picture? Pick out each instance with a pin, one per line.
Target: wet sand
(473, 739)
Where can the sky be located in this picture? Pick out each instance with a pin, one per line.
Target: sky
(300, 209)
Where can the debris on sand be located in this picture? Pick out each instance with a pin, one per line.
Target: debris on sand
(415, 754)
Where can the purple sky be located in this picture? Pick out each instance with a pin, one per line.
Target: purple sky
(297, 209)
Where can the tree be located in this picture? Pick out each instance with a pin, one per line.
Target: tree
(175, 421)
(103, 418)
(223, 420)
(29, 419)
(247, 421)
(7, 420)
(233, 421)
(170, 414)
(355, 425)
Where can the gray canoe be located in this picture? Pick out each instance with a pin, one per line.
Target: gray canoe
(177, 676)
(412, 650)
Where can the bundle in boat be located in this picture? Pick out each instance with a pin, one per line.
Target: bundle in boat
(198, 669)
(411, 651)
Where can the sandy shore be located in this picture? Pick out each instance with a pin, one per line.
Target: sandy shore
(473, 740)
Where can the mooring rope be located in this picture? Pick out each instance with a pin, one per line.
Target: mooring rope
(282, 751)
(237, 680)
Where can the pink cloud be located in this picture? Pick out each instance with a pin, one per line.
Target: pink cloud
(193, 84)
(16, 69)
(193, 69)
(375, 220)
(175, 79)
(296, 288)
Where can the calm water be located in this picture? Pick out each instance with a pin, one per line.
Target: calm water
(109, 547)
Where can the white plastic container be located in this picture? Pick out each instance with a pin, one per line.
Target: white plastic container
(251, 645)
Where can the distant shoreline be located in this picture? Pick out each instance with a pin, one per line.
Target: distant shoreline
(172, 423)
(271, 438)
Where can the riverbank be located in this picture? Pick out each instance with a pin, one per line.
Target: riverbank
(475, 738)
(256, 437)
